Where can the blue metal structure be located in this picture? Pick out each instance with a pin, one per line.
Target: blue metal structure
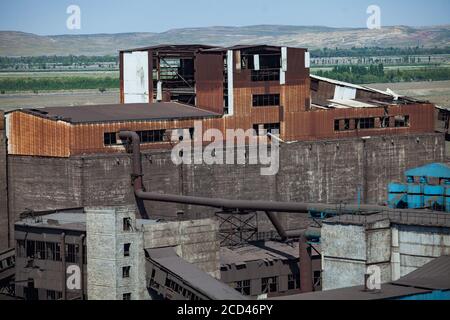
(419, 193)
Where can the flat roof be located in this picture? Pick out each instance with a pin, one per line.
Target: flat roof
(200, 280)
(402, 217)
(171, 47)
(121, 112)
(388, 291)
(435, 275)
(264, 250)
(75, 220)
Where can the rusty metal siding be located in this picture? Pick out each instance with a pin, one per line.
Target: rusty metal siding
(36, 136)
(209, 80)
(319, 124)
(296, 72)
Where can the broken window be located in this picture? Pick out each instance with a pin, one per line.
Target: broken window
(30, 248)
(20, 248)
(293, 281)
(264, 129)
(40, 250)
(269, 284)
(126, 272)
(346, 124)
(53, 251)
(317, 279)
(384, 122)
(243, 287)
(126, 249)
(401, 121)
(127, 224)
(126, 296)
(367, 123)
(266, 100)
(109, 138)
(150, 136)
(72, 253)
(336, 125)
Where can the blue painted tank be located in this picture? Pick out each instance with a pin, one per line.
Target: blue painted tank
(415, 196)
(447, 198)
(397, 195)
(434, 197)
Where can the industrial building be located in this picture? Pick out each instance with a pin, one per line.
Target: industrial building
(430, 282)
(242, 87)
(397, 242)
(153, 259)
(218, 232)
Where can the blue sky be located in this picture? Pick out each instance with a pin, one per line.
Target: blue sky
(48, 17)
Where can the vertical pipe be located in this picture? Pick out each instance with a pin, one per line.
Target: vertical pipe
(305, 265)
(63, 258)
(82, 265)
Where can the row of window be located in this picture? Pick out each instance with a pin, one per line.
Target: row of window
(54, 295)
(49, 251)
(266, 100)
(174, 286)
(370, 123)
(271, 285)
(7, 263)
(147, 136)
(268, 285)
(264, 129)
(265, 75)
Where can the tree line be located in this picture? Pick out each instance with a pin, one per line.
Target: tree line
(377, 74)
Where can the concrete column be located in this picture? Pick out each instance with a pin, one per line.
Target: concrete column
(395, 255)
(106, 237)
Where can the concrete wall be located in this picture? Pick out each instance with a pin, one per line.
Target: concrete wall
(419, 245)
(3, 188)
(397, 249)
(105, 255)
(347, 251)
(195, 241)
(321, 171)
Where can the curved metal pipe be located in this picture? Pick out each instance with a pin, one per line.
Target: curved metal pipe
(234, 206)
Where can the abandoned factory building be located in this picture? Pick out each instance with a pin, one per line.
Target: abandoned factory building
(265, 88)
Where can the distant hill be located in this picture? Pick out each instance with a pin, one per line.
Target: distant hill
(14, 43)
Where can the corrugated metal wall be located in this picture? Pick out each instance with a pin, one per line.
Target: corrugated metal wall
(209, 82)
(35, 136)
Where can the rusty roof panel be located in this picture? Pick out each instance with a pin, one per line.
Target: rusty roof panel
(121, 112)
(435, 275)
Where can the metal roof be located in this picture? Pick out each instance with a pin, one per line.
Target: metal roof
(171, 47)
(388, 291)
(435, 275)
(121, 112)
(402, 217)
(267, 251)
(73, 219)
(434, 170)
(243, 47)
(200, 280)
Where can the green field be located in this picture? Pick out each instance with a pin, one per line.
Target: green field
(55, 81)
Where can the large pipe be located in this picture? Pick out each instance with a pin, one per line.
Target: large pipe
(234, 206)
(305, 265)
(244, 205)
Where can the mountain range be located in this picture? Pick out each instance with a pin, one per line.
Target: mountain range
(14, 43)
